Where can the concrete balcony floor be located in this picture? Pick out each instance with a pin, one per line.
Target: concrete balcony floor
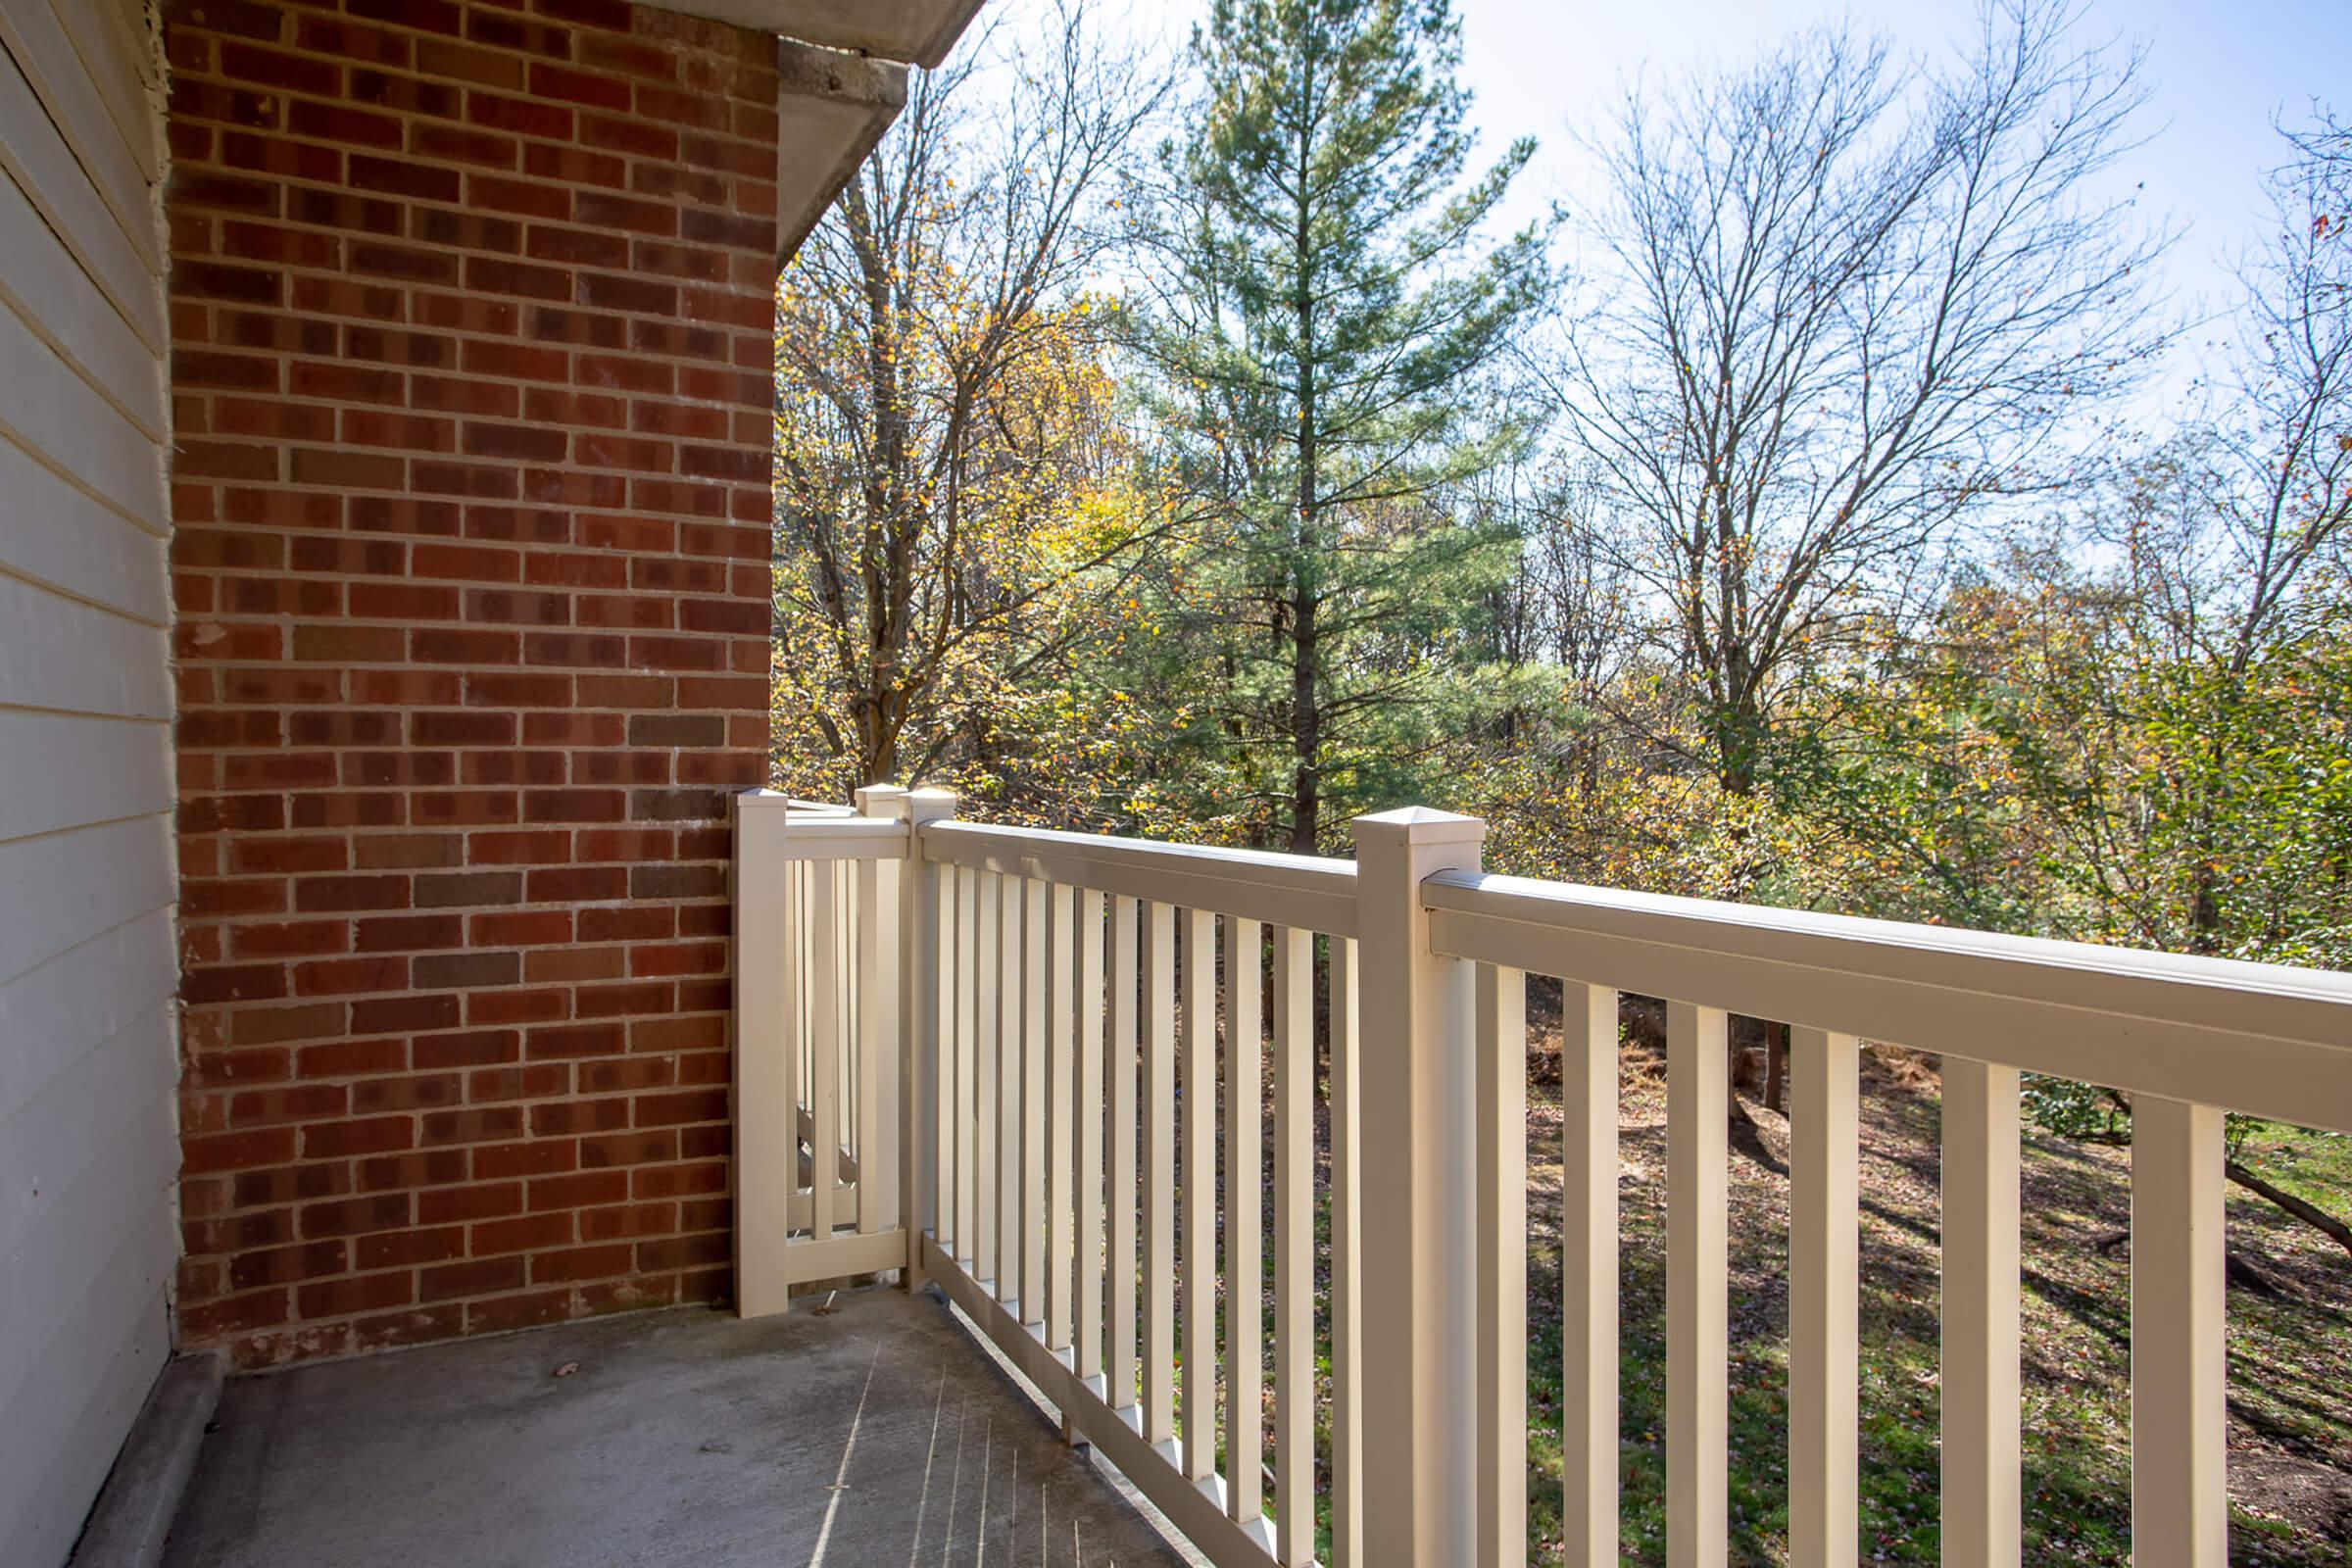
(880, 1432)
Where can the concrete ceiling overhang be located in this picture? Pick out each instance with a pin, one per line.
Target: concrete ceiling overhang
(841, 80)
(831, 109)
(920, 31)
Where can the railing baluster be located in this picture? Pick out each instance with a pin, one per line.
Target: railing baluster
(1347, 1265)
(1159, 1197)
(2179, 1370)
(1824, 1236)
(1294, 1246)
(1061, 1049)
(825, 1029)
(935, 1115)
(877, 1043)
(991, 1043)
(1501, 1287)
(1125, 1063)
(796, 993)
(1982, 1526)
(1029, 1218)
(1199, 1134)
(847, 994)
(1245, 1223)
(1589, 1049)
(1698, 1342)
(1087, 1350)
(970, 965)
(1011, 998)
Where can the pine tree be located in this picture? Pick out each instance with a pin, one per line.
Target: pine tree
(1328, 304)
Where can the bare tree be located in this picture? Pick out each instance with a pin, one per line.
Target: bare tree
(1842, 303)
(932, 364)
(1573, 611)
(2238, 535)
(2256, 494)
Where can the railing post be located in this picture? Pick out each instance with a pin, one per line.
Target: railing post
(766, 1163)
(1420, 1198)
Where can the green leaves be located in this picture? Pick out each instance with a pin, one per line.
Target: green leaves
(1330, 311)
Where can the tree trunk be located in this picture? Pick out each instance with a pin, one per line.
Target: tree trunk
(1306, 731)
(2335, 1229)
(1306, 708)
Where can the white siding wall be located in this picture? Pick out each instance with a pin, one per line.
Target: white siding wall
(88, 1150)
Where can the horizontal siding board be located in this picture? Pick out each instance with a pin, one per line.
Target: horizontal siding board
(67, 772)
(55, 413)
(53, 533)
(46, 59)
(62, 654)
(115, 65)
(63, 304)
(75, 1125)
(78, 999)
(34, 152)
(88, 881)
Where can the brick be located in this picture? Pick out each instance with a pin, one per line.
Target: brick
(581, 1263)
(628, 1149)
(565, 85)
(285, 1265)
(365, 1292)
(365, 1136)
(351, 1216)
(319, 894)
(473, 1048)
(475, 1125)
(460, 1204)
(341, 124)
(475, 1278)
(406, 1013)
(409, 1248)
(457, 144)
(523, 1234)
(466, 971)
(518, 1311)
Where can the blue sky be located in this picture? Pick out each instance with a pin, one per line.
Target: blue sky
(2218, 73)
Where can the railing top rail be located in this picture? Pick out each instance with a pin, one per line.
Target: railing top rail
(844, 838)
(2252, 1037)
(1293, 890)
(812, 833)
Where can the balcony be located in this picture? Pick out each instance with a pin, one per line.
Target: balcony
(1016, 1052)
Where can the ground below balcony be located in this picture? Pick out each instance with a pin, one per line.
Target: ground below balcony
(878, 1432)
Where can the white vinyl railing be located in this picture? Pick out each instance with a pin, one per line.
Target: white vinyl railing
(1045, 1046)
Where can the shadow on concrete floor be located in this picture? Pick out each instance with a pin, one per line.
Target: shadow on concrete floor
(879, 1433)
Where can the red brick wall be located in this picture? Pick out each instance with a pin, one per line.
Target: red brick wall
(471, 316)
